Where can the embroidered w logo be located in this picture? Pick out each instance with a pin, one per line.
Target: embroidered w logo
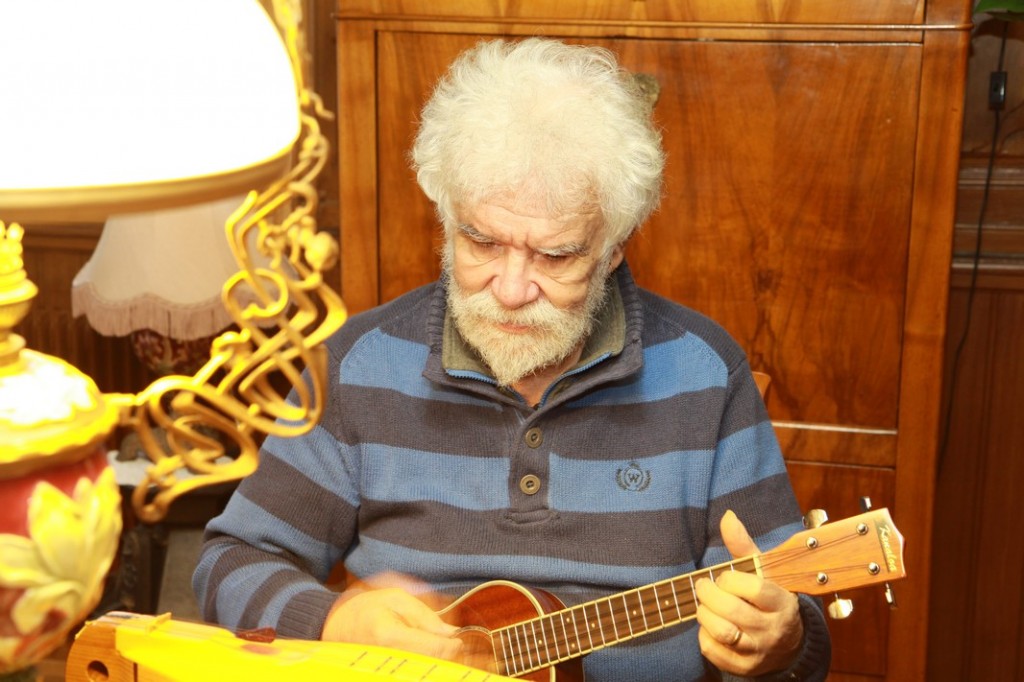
(633, 478)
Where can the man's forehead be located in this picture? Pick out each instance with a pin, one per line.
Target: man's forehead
(488, 217)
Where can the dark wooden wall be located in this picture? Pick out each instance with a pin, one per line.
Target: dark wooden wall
(977, 614)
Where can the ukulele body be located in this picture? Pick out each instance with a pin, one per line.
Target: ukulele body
(497, 604)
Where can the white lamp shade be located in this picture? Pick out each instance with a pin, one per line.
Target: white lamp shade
(161, 270)
(135, 104)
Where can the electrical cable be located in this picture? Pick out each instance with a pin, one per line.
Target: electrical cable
(998, 76)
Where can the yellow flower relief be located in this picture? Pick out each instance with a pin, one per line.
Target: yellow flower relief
(61, 565)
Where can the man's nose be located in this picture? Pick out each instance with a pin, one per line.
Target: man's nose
(513, 285)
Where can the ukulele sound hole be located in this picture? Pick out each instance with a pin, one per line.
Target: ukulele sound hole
(477, 651)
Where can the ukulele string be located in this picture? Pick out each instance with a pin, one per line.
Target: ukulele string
(798, 557)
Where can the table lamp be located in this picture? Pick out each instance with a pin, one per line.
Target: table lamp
(161, 270)
(127, 106)
(156, 277)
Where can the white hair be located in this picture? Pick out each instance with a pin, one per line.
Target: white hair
(542, 121)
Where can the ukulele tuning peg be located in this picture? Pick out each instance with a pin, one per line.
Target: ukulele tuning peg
(840, 608)
(815, 518)
(890, 596)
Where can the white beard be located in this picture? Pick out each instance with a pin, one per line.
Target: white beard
(553, 336)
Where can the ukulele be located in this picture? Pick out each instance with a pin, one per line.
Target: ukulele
(527, 633)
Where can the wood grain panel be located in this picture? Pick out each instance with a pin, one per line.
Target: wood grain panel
(943, 75)
(357, 156)
(408, 66)
(764, 225)
(706, 31)
(837, 445)
(637, 11)
(978, 623)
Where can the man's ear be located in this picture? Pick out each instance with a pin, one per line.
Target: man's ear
(618, 253)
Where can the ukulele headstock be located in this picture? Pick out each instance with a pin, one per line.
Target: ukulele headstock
(858, 551)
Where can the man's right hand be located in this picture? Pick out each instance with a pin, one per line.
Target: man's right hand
(391, 617)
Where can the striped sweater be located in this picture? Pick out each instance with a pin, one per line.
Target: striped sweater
(422, 465)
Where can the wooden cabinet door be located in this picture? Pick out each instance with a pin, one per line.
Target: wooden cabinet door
(804, 209)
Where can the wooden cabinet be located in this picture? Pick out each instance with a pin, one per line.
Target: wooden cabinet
(809, 198)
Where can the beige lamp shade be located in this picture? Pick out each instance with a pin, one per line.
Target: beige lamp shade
(160, 270)
(131, 105)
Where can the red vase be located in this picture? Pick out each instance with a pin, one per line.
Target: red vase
(60, 517)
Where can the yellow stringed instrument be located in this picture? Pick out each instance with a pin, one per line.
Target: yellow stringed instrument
(130, 647)
(510, 631)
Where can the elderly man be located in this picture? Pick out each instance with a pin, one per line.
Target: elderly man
(532, 417)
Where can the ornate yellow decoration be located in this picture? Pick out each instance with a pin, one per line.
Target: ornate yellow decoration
(61, 565)
(233, 394)
(16, 294)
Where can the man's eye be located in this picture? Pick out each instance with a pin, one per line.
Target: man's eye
(483, 248)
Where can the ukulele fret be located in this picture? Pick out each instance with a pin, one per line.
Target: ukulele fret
(586, 625)
(642, 625)
(535, 649)
(544, 636)
(506, 655)
(518, 653)
(554, 638)
(675, 599)
(625, 612)
(594, 623)
(658, 602)
(611, 617)
(576, 631)
(565, 632)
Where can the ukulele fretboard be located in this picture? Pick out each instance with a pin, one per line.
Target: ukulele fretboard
(544, 641)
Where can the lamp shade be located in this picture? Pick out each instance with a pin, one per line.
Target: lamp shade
(160, 270)
(129, 105)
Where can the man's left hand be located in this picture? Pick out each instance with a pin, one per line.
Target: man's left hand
(748, 625)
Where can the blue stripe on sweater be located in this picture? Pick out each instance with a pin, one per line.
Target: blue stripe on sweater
(402, 475)
(252, 524)
(275, 607)
(201, 577)
(445, 569)
(378, 360)
(668, 481)
(744, 457)
(632, 662)
(229, 607)
(322, 460)
(686, 364)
